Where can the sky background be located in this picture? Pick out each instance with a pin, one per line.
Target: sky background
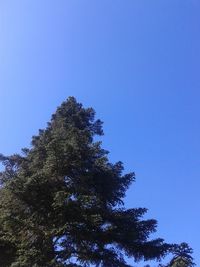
(137, 64)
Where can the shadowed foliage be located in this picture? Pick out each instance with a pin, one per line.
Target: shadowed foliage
(61, 201)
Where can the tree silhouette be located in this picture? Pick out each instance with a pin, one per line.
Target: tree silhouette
(61, 201)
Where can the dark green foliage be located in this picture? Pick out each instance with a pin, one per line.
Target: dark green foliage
(61, 201)
(182, 256)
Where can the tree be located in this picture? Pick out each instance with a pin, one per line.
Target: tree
(61, 201)
(182, 256)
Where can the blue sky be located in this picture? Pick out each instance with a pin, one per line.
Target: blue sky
(137, 63)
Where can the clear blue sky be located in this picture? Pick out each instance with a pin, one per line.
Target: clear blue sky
(137, 63)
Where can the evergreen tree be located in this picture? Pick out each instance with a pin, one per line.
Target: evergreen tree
(61, 201)
(182, 256)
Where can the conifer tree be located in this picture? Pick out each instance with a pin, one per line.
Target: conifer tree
(61, 201)
(182, 256)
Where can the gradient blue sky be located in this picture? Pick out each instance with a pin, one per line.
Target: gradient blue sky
(137, 63)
